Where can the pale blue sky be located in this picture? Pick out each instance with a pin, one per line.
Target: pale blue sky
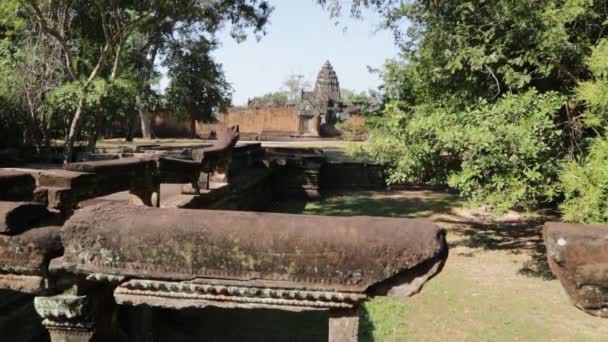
(301, 37)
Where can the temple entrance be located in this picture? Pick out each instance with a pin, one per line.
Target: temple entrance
(306, 125)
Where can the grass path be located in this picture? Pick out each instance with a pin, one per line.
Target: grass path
(495, 285)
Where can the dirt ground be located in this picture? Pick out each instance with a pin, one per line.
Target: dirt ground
(495, 286)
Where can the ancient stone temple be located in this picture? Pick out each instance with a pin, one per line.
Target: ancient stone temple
(314, 115)
(318, 109)
(78, 266)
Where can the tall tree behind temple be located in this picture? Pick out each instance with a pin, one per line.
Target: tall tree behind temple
(198, 86)
(294, 85)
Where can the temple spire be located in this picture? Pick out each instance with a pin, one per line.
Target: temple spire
(327, 86)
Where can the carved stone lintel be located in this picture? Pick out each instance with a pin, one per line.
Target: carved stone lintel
(343, 325)
(178, 295)
(68, 318)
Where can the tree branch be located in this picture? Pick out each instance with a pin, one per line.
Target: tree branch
(495, 79)
(39, 17)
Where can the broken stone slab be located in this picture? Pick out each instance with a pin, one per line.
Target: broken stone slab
(64, 189)
(117, 166)
(65, 179)
(343, 254)
(578, 256)
(16, 185)
(24, 258)
(222, 148)
(16, 217)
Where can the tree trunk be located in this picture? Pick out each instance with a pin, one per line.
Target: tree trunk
(92, 136)
(146, 126)
(130, 127)
(68, 148)
(192, 128)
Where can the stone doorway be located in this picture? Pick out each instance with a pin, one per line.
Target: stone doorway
(306, 125)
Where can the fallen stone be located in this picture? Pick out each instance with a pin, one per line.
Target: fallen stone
(16, 217)
(354, 254)
(578, 256)
(24, 258)
(127, 166)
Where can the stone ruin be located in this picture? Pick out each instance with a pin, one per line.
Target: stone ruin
(77, 267)
(318, 109)
(578, 256)
(315, 113)
(71, 263)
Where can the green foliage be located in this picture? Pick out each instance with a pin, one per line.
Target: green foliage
(103, 56)
(198, 87)
(585, 182)
(352, 98)
(490, 96)
(593, 92)
(275, 99)
(352, 131)
(585, 186)
(509, 151)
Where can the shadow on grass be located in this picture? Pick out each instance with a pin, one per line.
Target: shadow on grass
(381, 203)
(516, 236)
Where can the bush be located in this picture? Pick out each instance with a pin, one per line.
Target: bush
(411, 139)
(510, 151)
(352, 130)
(585, 186)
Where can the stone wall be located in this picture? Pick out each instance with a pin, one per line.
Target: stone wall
(166, 125)
(336, 176)
(258, 121)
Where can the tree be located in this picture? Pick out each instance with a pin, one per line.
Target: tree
(351, 98)
(93, 33)
(519, 65)
(274, 99)
(294, 85)
(198, 86)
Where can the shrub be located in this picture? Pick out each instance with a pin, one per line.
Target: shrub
(510, 151)
(411, 139)
(585, 186)
(352, 130)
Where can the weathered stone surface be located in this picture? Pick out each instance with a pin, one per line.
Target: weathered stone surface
(298, 172)
(16, 185)
(119, 166)
(293, 251)
(24, 258)
(64, 189)
(327, 87)
(175, 170)
(227, 137)
(65, 179)
(16, 217)
(68, 318)
(213, 159)
(578, 256)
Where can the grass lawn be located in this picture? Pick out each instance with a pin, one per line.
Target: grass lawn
(495, 285)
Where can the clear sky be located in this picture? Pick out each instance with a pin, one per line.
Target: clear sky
(301, 37)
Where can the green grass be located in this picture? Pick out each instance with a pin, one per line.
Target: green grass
(483, 293)
(369, 203)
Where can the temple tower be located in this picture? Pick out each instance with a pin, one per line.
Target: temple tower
(327, 87)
